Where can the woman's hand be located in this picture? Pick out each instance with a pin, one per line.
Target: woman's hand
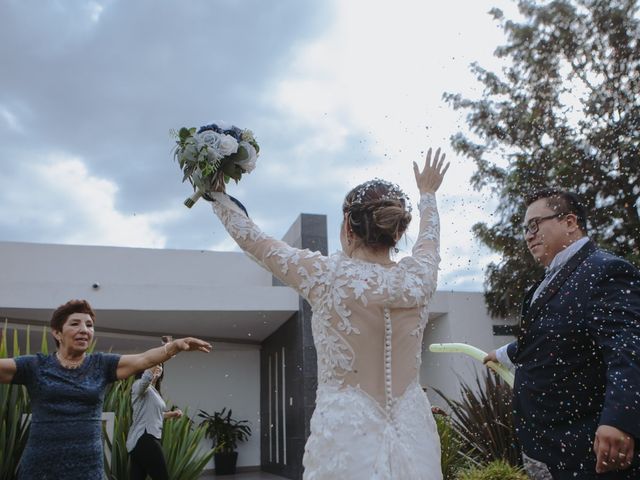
(177, 413)
(131, 364)
(187, 344)
(156, 371)
(430, 178)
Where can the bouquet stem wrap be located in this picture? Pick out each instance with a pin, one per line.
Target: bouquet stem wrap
(475, 353)
(190, 202)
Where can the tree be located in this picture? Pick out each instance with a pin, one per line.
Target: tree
(564, 112)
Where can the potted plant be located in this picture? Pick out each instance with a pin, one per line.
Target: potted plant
(225, 432)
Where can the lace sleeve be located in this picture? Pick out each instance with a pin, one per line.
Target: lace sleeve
(427, 246)
(298, 268)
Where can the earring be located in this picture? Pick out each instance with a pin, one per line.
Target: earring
(349, 241)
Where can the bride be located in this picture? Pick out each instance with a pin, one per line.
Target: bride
(372, 420)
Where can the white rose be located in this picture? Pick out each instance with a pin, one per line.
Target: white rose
(228, 145)
(249, 163)
(219, 145)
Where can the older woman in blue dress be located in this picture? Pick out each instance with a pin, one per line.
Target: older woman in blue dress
(67, 391)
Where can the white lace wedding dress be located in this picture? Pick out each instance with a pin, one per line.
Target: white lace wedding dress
(372, 420)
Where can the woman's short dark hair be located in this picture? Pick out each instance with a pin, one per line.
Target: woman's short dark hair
(62, 313)
(561, 201)
(378, 213)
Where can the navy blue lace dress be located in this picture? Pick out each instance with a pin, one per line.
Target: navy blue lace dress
(65, 438)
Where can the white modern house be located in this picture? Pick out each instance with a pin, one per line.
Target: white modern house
(263, 362)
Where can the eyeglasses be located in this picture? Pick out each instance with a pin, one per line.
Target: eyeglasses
(533, 225)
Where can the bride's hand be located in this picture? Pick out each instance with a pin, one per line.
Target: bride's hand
(430, 178)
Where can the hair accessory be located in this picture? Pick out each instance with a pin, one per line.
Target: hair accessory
(393, 192)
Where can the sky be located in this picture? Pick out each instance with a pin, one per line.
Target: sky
(337, 92)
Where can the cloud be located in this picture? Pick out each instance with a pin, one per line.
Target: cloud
(10, 120)
(60, 198)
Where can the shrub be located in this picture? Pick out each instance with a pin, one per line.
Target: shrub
(496, 470)
(451, 459)
(483, 420)
(181, 441)
(14, 410)
(225, 431)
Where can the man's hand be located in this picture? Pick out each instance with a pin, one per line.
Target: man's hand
(491, 357)
(613, 449)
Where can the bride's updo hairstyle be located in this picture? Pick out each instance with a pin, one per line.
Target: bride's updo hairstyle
(378, 213)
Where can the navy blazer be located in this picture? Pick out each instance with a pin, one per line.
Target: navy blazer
(578, 360)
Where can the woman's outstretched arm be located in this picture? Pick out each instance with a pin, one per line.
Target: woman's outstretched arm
(301, 269)
(131, 364)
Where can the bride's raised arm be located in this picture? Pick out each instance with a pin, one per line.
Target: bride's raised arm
(301, 269)
(426, 249)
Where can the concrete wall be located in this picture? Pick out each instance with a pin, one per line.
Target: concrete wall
(43, 276)
(458, 317)
(227, 377)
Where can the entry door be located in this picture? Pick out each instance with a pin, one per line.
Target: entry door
(282, 401)
(276, 401)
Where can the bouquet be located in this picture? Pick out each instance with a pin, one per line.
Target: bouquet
(212, 155)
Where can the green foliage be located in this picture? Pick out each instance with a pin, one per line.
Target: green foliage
(496, 470)
(118, 400)
(180, 439)
(225, 431)
(483, 420)
(14, 409)
(564, 112)
(452, 459)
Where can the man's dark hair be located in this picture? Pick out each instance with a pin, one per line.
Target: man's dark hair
(561, 201)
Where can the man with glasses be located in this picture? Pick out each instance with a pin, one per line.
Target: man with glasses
(577, 356)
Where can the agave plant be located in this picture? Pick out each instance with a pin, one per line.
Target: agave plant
(117, 400)
(14, 410)
(181, 441)
(483, 420)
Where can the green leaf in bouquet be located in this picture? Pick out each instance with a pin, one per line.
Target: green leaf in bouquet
(240, 155)
(231, 169)
(185, 133)
(207, 170)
